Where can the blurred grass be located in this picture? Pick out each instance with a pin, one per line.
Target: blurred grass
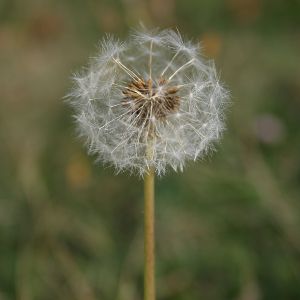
(228, 227)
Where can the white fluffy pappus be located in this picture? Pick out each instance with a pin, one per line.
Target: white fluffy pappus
(149, 102)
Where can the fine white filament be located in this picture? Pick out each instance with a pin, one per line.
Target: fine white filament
(116, 134)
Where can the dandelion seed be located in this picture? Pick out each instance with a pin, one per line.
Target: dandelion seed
(155, 89)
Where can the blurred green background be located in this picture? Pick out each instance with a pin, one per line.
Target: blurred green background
(227, 227)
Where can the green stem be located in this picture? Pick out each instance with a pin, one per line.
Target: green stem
(149, 242)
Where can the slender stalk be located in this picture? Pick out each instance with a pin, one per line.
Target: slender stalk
(149, 243)
(149, 234)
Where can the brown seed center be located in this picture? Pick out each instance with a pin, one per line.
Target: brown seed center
(150, 100)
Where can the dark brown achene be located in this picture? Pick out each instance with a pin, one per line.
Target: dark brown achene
(150, 100)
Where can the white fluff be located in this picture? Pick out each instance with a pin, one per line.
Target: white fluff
(110, 129)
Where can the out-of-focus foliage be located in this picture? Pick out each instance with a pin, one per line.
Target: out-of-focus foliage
(227, 228)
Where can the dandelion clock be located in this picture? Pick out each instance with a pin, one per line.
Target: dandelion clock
(148, 105)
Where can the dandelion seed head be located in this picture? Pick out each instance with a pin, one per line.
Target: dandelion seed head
(152, 102)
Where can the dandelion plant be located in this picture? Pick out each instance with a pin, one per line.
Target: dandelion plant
(146, 105)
